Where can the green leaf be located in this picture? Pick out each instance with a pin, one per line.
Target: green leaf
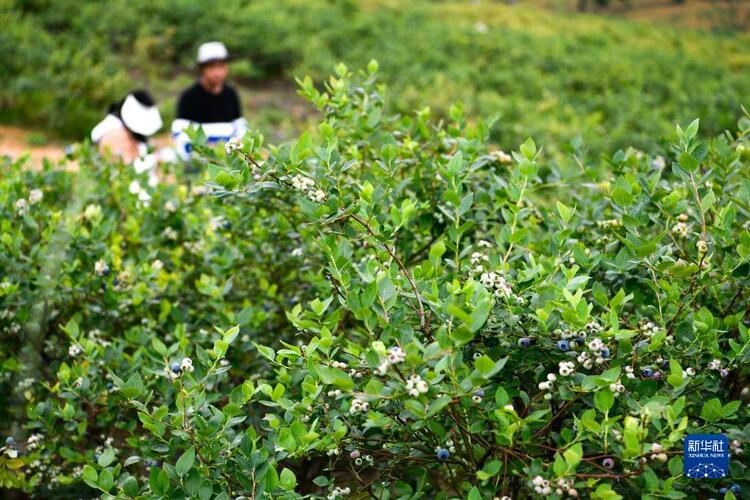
(712, 410)
(603, 400)
(490, 469)
(130, 486)
(334, 376)
(90, 476)
(573, 456)
(565, 212)
(287, 479)
(106, 458)
(474, 494)
(185, 462)
(689, 163)
(106, 480)
(528, 149)
(675, 376)
(159, 346)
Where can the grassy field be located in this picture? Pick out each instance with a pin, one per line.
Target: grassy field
(541, 70)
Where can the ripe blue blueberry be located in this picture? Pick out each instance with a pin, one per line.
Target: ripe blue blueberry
(443, 454)
(480, 393)
(563, 345)
(9, 441)
(524, 342)
(176, 367)
(608, 463)
(736, 488)
(115, 282)
(722, 491)
(580, 340)
(605, 353)
(110, 385)
(647, 372)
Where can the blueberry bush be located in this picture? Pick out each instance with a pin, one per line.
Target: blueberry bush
(387, 307)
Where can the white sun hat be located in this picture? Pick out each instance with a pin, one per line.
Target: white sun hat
(212, 51)
(139, 117)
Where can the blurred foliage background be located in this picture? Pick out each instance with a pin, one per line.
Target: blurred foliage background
(542, 67)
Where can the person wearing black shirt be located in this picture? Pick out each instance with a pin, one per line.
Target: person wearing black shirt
(209, 103)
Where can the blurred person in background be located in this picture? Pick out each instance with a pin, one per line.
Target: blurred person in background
(209, 103)
(126, 129)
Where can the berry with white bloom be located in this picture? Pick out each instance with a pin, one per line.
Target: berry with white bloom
(316, 195)
(545, 386)
(187, 365)
(566, 368)
(484, 243)
(33, 441)
(478, 258)
(74, 350)
(359, 406)
(396, 355)
(714, 365)
(416, 386)
(170, 206)
(702, 247)
(596, 345)
(232, 145)
(157, 265)
(101, 268)
(501, 156)
(680, 229)
(22, 206)
(35, 196)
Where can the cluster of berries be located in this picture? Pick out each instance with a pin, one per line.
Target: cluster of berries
(101, 268)
(416, 386)
(499, 155)
(307, 186)
(177, 369)
(496, 283)
(339, 492)
(681, 228)
(358, 406)
(395, 355)
(478, 396)
(444, 452)
(359, 459)
(657, 453)
(610, 223)
(232, 145)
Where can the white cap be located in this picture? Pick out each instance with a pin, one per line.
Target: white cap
(212, 51)
(140, 118)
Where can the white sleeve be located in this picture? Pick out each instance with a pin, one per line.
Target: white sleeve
(240, 127)
(180, 138)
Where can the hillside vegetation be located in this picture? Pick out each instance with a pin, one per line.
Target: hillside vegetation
(541, 73)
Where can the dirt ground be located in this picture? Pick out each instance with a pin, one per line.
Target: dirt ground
(17, 141)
